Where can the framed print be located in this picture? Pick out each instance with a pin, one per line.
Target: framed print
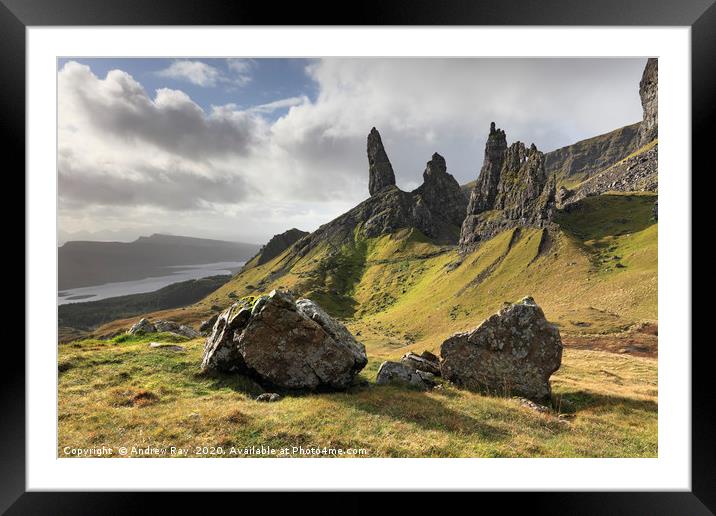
(428, 250)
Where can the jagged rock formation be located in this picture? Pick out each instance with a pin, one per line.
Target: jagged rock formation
(277, 245)
(586, 158)
(284, 343)
(422, 363)
(441, 192)
(514, 352)
(380, 171)
(649, 93)
(436, 208)
(512, 190)
(638, 173)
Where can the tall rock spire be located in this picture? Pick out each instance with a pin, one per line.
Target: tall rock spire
(649, 93)
(485, 190)
(512, 190)
(379, 168)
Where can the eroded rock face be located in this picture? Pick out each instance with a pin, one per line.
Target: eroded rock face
(512, 190)
(649, 93)
(380, 171)
(441, 192)
(285, 343)
(514, 352)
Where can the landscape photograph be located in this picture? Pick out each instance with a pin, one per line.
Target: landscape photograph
(349, 257)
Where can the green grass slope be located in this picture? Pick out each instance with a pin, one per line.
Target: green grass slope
(595, 277)
(120, 392)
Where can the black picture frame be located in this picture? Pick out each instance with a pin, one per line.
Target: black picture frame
(700, 15)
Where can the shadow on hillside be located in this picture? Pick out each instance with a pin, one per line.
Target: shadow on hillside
(581, 400)
(593, 218)
(415, 407)
(235, 382)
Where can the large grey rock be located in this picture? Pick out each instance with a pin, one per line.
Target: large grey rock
(512, 190)
(380, 171)
(398, 373)
(142, 326)
(514, 352)
(420, 363)
(649, 94)
(281, 342)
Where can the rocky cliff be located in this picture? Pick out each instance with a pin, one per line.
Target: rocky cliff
(649, 93)
(513, 189)
(582, 160)
(441, 192)
(278, 244)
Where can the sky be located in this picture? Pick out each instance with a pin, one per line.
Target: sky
(242, 149)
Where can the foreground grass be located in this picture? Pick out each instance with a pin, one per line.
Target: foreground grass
(122, 393)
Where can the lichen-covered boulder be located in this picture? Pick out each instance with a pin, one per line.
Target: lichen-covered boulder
(284, 343)
(420, 363)
(398, 373)
(514, 352)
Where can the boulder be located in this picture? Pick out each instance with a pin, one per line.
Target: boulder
(285, 343)
(179, 329)
(514, 352)
(143, 326)
(427, 355)
(398, 373)
(420, 363)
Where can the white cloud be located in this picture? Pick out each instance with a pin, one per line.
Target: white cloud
(195, 72)
(130, 160)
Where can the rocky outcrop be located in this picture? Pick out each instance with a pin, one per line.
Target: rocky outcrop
(144, 326)
(278, 244)
(512, 190)
(441, 192)
(380, 171)
(436, 208)
(398, 373)
(284, 343)
(649, 94)
(638, 173)
(586, 158)
(514, 352)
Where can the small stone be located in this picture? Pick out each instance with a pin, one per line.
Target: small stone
(166, 345)
(268, 397)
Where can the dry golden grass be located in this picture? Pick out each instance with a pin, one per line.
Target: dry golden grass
(126, 394)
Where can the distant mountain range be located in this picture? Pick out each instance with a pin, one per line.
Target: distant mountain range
(83, 263)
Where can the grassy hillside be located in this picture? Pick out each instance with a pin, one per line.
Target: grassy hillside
(596, 278)
(121, 393)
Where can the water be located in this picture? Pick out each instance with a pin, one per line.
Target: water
(176, 274)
